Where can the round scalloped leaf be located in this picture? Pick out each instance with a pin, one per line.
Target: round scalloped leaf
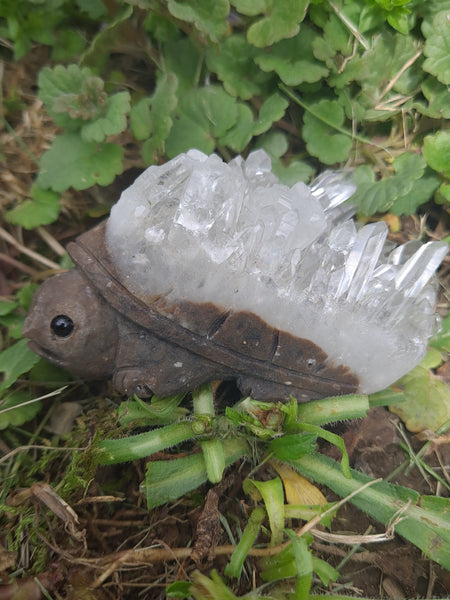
(16, 360)
(437, 47)
(208, 16)
(113, 121)
(422, 191)
(427, 404)
(18, 409)
(241, 133)
(273, 109)
(60, 90)
(322, 132)
(42, 210)
(281, 19)
(72, 162)
(153, 116)
(294, 60)
(378, 196)
(233, 62)
(202, 116)
(436, 149)
(436, 93)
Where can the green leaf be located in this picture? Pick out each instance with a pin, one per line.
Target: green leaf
(71, 94)
(233, 62)
(272, 494)
(303, 564)
(42, 210)
(180, 590)
(7, 307)
(159, 411)
(273, 109)
(295, 171)
(379, 196)
(293, 446)
(281, 20)
(183, 59)
(441, 341)
(427, 404)
(162, 104)
(436, 149)
(421, 192)
(14, 412)
(72, 162)
(141, 123)
(428, 529)
(167, 480)
(94, 8)
(437, 94)
(203, 115)
(15, 361)
(251, 531)
(113, 121)
(242, 131)
(322, 132)
(208, 16)
(437, 47)
(144, 444)
(293, 59)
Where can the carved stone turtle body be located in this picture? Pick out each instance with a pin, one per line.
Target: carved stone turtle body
(155, 347)
(237, 290)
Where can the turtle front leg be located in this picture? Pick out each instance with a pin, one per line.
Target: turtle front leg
(147, 365)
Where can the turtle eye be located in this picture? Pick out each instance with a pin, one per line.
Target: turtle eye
(62, 325)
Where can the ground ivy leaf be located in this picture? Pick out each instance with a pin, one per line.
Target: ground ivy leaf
(281, 20)
(233, 62)
(293, 59)
(321, 132)
(140, 119)
(72, 162)
(94, 8)
(162, 105)
(16, 360)
(296, 170)
(437, 47)
(42, 210)
(208, 16)
(436, 149)
(183, 59)
(379, 196)
(274, 142)
(427, 403)
(16, 414)
(374, 70)
(113, 121)
(273, 109)
(58, 90)
(242, 132)
(7, 307)
(202, 116)
(422, 191)
(436, 93)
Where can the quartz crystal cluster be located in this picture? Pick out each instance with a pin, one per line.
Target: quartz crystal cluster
(202, 230)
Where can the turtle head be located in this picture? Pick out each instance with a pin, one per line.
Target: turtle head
(71, 325)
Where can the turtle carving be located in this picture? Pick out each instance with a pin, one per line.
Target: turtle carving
(213, 271)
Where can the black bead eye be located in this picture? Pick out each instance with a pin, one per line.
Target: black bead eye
(62, 325)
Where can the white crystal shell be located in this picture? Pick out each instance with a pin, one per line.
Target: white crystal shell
(203, 230)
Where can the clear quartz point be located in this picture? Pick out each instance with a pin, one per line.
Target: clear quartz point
(202, 230)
